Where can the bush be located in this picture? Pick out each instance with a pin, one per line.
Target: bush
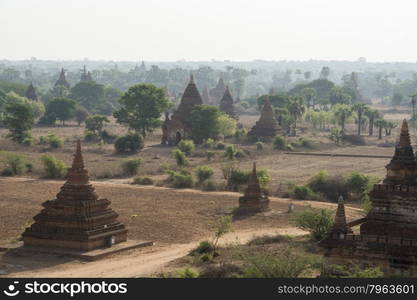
(54, 167)
(354, 140)
(279, 143)
(91, 136)
(180, 157)
(208, 143)
(182, 179)
(220, 146)
(307, 143)
(130, 166)
(15, 164)
(264, 178)
(143, 180)
(204, 173)
(358, 182)
(237, 177)
(330, 186)
(269, 239)
(108, 137)
(27, 140)
(286, 264)
(208, 185)
(317, 221)
(52, 140)
(186, 146)
(302, 192)
(188, 273)
(210, 155)
(203, 247)
(131, 142)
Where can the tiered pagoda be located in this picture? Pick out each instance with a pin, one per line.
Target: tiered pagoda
(267, 125)
(31, 92)
(86, 76)
(77, 219)
(388, 234)
(62, 80)
(217, 93)
(254, 199)
(227, 105)
(177, 127)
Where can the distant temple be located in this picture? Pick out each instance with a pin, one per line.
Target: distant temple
(254, 200)
(388, 234)
(227, 105)
(62, 80)
(206, 97)
(86, 76)
(217, 93)
(178, 127)
(77, 219)
(31, 92)
(267, 125)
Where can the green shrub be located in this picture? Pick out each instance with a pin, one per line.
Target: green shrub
(358, 182)
(188, 273)
(129, 143)
(27, 141)
(269, 239)
(206, 257)
(210, 155)
(182, 179)
(15, 164)
(307, 143)
(286, 264)
(52, 140)
(279, 143)
(186, 146)
(130, 166)
(221, 146)
(330, 186)
(180, 157)
(208, 185)
(91, 136)
(208, 143)
(317, 221)
(143, 180)
(237, 177)
(264, 178)
(302, 192)
(204, 173)
(203, 247)
(54, 168)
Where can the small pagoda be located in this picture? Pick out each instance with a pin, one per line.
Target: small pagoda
(62, 80)
(267, 125)
(177, 127)
(77, 219)
(205, 96)
(227, 105)
(31, 92)
(86, 76)
(254, 199)
(388, 234)
(217, 93)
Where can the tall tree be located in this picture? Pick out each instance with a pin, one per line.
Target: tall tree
(141, 107)
(342, 112)
(372, 115)
(205, 122)
(62, 108)
(296, 109)
(359, 108)
(310, 96)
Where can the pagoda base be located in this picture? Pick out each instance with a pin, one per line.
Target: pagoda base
(84, 255)
(253, 207)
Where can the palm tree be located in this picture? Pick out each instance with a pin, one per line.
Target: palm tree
(360, 108)
(380, 123)
(296, 109)
(342, 112)
(372, 115)
(388, 126)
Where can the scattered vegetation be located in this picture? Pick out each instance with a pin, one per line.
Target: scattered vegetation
(54, 168)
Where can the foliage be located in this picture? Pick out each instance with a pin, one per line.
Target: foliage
(220, 227)
(203, 247)
(317, 221)
(302, 192)
(130, 143)
(80, 114)
(186, 146)
(259, 146)
(204, 173)
(336, 135)
(227, 125)
(61, 108)
(15, 164)
(264, 178)
(181, 179)
(95, 123)
(279, 143)
(54, 168)
(205, 122)
(188, 273)
(143, 180)
(52, 140)
(141, 107)
(210, 155)
(90, 95)
(180, 157)
(130, 166)
(331, 186)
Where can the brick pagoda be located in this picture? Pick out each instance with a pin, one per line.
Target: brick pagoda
(254, 200)
(227, 105)
(388, 234)
(77, 219)
(266, 126)
(31, 92)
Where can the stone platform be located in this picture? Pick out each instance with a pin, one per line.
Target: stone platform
(92, 255)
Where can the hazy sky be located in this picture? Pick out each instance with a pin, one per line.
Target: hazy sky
(383, 30)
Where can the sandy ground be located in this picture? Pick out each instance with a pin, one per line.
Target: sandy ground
(176, 220)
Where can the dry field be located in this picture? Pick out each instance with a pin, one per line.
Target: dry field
(174, 219)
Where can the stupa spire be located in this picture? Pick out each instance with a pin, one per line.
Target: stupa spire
(404, 135)
(340, 224)
(77, 174)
